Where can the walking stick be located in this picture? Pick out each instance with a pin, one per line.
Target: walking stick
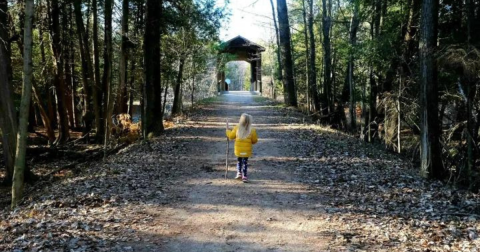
(226, 155)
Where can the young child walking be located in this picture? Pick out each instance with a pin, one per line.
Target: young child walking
(245, 137)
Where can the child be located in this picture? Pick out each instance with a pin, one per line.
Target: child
(245, 137)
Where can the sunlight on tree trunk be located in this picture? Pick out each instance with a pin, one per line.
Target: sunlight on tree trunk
(430, 149)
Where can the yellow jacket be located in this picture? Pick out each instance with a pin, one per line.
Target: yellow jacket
(243, 147)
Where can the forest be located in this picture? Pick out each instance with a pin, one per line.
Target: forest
(99, 72)
(347, 59)
(402, 75)
(97, 95)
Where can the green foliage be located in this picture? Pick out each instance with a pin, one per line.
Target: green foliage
(386, 59)
(239, 74)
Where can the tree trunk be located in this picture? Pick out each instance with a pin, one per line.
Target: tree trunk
(177, 100)
(401, 84)
(193, 80)
(377, 17)
(131, 96)
(45, 118)
(69, 103)
(122, 96)
(351, 61)
(76, 99)
(286, 49)
(312, 70)
(152, 118)
(307, 67)
(334, 75)
(138, 21)
(50, 106)
(327, 58)
(277, 38)
(372, 112)
(59, 82)
(408, 46)
(107, 69)
(165, 94)
(97, 88)
(32, 123)
(87, 70)
(430, 149)
(8, 115)
(21, 146)
(375, 33)
(471, 92)
(44, 114)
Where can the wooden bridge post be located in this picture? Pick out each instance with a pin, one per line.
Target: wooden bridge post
(253, 75)
(259, 74)
(222, 84)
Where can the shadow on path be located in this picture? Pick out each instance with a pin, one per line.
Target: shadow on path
(274, 212)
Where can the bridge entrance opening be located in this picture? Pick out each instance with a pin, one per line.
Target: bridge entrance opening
(240, 49)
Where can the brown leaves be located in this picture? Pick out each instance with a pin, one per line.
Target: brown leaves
(368, 199)
(383, 200)
(97, 210)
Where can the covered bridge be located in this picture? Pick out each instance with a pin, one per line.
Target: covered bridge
(241, 49)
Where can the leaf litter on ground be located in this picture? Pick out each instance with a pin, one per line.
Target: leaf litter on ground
(371, 200)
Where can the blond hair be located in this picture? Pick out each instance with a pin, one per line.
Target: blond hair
(244, 126)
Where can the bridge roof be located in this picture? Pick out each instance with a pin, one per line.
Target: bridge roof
(240, 43)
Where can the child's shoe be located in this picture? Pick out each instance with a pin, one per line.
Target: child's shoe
(244, 179)
(239, 176)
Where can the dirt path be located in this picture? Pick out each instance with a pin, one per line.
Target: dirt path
(312, 189)
(274, 212)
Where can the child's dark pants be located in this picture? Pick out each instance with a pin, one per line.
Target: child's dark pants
(242, 163)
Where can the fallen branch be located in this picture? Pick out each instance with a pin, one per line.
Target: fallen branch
(72, 165)
(82, 137)
(463, 214)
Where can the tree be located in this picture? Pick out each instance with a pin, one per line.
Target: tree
(87, 67)
(470, 83)
(327, 56)
(8, 115)
(97, 87)
(21, 146)
(350, 72)
(308, 89)
(122, 95)
(312, 71)
(277, 40)
(177, 101)
(68, 64)
(196, 25)
(430, 149)
(107, 70)
(152, 121)
(375, 34)
(286, 53)
(59, 82)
